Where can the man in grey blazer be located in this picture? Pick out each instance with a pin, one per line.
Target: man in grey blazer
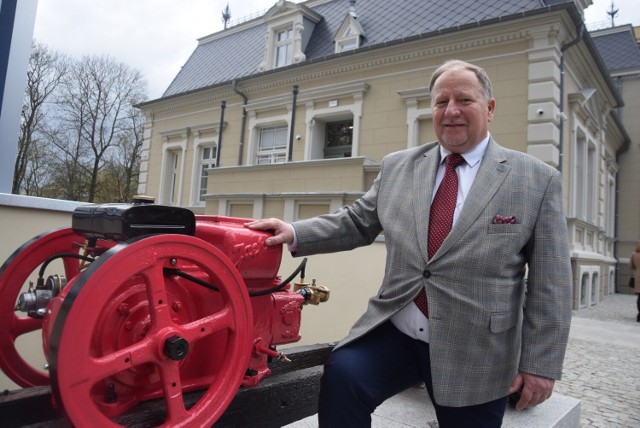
(498, 288)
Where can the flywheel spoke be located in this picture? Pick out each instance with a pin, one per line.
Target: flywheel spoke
(15, 275)
(221, 320)
(157, 294)
(24, 325)
(172, 389)
(121, 360)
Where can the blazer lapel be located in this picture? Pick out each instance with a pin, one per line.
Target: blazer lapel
(493, 170)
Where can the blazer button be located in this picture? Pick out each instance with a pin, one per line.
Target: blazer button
(426, 274)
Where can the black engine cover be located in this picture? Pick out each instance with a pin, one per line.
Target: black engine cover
(121, 222)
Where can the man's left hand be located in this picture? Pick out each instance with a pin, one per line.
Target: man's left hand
(533, 389)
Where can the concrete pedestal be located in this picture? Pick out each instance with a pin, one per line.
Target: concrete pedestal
(412, 408)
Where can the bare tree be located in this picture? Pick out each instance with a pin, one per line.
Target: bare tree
(95, 110)
(119, 180)
(78, 119)
(44, 75)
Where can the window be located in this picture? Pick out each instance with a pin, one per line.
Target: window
(594, 289)
(338, 139)
(207, 160)
(349, 34)
(289, 29)
(284, 47)
(611, 206)
(584, 184)
(590, 181)
(584, 290)
(203, 158)
(172, 168)
(172, 178)
(580, 177)
(272, 147)
(347, 45)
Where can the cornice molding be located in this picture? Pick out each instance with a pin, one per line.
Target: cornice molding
(296, 195)
(415, 94)
(167, 105)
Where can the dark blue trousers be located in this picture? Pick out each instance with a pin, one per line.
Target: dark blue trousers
(358, 377)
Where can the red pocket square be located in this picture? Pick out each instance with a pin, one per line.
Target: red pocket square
(504, 219)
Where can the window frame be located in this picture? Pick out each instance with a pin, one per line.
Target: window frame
(172, 167)
(204, 164)
(332, 151)
(277, 152)
(283, 45)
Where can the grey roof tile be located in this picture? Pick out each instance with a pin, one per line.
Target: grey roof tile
(618, 48)
(239, 54)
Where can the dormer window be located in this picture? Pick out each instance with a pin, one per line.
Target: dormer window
(284, 47)
(289, 28)
(350, 32)
(347, 45)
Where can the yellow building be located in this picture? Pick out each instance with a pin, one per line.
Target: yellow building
(620, 52)
(289, 114)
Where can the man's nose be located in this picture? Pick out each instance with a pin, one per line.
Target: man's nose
(453, 109)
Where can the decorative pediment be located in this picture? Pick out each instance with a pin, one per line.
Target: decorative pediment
(287, 10)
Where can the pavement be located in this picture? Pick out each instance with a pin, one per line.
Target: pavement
(602, 365)
(601, 370)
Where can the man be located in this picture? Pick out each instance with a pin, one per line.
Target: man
(498, 288)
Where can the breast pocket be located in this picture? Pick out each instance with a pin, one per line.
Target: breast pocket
(505, 228)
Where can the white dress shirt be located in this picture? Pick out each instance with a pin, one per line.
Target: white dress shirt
(410, 320)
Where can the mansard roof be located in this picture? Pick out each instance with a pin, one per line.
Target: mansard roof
(618, 48)
(236, 53)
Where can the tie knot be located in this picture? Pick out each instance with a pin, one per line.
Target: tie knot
(453, 160)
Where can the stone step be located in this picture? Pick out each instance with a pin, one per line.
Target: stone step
(412, 408)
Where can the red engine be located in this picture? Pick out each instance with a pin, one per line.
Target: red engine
(153, 302)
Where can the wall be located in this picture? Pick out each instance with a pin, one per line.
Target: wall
(629, 177)
(22, 219)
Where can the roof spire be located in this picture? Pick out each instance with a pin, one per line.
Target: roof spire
(352, 8)
(612, 13)
(226, 16)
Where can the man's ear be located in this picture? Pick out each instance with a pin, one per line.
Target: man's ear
(490, 109)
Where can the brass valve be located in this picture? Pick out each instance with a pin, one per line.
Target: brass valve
(312, 293)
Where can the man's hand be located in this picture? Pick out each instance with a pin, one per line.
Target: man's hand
(282, 232)
(533, 389)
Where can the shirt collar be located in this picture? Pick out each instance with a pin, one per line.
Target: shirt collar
(473, 156)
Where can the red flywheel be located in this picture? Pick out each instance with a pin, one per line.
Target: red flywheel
(15, 274)
(143, 323)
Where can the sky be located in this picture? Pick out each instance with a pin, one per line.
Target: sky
(156, 37)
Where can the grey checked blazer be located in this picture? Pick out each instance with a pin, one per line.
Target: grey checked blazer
(485, 322)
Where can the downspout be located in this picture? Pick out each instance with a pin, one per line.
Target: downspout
(243, 122)
(223, 105)
(293, 122)
(562, 115)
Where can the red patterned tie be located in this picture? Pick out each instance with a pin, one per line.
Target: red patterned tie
(441, 216)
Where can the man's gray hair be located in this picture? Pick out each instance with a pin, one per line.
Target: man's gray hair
(482, 76)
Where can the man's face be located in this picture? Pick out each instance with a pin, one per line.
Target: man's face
(461, 112)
